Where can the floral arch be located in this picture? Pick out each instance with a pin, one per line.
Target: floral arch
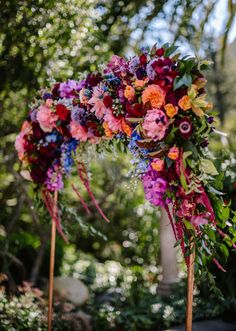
(154, 103)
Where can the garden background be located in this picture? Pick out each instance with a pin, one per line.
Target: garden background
(119, 262)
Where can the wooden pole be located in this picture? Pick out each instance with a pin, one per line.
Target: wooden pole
(51, 268)
(189, 310)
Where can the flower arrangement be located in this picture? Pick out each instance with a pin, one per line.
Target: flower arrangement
(155, 103)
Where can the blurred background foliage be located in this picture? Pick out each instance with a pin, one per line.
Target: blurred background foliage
(41, 40)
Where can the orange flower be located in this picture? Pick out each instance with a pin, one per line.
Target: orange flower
(108, 132)
(158, 165)
(153, 94)
(129, 92)
(171, 110)
(173, 153)
(185, 103)
(140, 82)
(127, 129)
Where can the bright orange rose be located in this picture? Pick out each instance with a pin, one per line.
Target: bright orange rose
(171, 110)
(173, 153)
(129, 92)
(185, 103)
(158, 165)
(153, 94)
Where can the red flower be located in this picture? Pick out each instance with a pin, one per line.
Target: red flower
(135, 109)
(62, 112)
(55, 90)
(143, 59)
(107, 100)
(160, 51)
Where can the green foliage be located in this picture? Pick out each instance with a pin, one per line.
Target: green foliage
(22, 313)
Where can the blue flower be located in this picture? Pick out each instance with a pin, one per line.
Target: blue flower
(52, 137)
(68, 149)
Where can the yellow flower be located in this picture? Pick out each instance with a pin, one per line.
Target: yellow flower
(158, 165)
(153, 94)
(171, 110)
(129, 92)
(173, 153)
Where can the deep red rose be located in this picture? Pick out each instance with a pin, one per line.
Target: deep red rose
(55, 90)
(107, 100)
(62, 112)
(93, 79)
(38, 133)
(135, 109)
(143, 59)
(160, 52)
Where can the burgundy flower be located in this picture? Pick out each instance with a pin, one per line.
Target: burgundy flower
(143, 59)
(62, 112)
(107, 100)
(55, 90)
(135, 110)
(93, 79)
(185, 127)
(160, 52)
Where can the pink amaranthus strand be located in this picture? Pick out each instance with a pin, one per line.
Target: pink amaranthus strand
(85, 180)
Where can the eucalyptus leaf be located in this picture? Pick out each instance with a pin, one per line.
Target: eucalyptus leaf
(185, 80)
(208, 167)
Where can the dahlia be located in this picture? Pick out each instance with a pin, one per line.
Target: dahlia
(155, 124)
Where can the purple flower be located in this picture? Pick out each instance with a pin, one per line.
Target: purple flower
(185, 127)
(154, 187)
(54, 180)
(67, 89)
(133, 64)
(117, 65)
(210, 119)
(78, 115)
(150, 71)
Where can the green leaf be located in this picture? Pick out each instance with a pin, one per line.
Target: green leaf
(189, 225)
(215, 191)
(208, 167)
(185, 80)
(183, 181)
(186, 155)
(224, 250)
(170, 50)
(177, 243)
(225, 214)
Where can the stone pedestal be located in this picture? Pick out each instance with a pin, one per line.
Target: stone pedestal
(168, 256)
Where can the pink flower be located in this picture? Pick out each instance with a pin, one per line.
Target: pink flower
(20, 141)
(186, 209)
(155, 124)
(19, 145)
(46, 118)
(199, 219)
(78, 131)
(67, 89)
(114, 124)
(97, 101)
